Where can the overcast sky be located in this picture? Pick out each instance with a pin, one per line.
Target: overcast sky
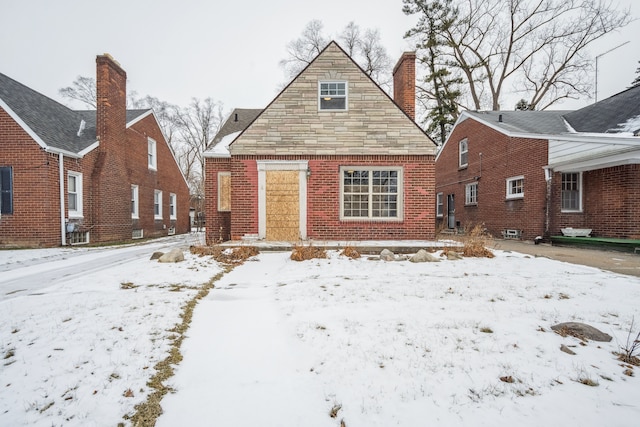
(226, 50)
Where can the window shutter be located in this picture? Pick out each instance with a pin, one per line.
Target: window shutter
(6, 190)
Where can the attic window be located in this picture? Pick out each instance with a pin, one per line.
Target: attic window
(152, 154)
(332, 96)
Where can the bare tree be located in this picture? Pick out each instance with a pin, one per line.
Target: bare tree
(187, 130)
(534, 47)
(364, 47)
(302, 50)
(82, 89)
(636, 81)
(197, 124)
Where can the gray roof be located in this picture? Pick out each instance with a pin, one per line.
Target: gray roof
(536, 122)
(55, 124)
(238, 120)
(608, 115)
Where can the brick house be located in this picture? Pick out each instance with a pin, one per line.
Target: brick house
(525, 174)
(332, 157)
(70, 176)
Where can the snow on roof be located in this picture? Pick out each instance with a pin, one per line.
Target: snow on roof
(632, 126)
(221, 149)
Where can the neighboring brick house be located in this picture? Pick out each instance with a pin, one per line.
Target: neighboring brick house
(332, 157)
(525, 174)
(70, 177)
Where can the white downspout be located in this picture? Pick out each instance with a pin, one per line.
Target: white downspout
(63, 226)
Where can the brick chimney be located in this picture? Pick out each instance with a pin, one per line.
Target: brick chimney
(111, 87)
(111, 188)
(404, 83)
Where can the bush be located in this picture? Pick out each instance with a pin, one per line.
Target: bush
(475, 243)
(303, 253)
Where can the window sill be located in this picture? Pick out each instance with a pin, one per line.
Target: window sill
(369, 220)
(571, 212)
(509, 198)
(75, 216)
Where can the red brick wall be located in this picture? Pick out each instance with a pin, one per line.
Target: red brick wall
(244, 197)
(218, 224)
(35, 220)
(323, 198)
(166, 178)
(502, 157)
(323, 217)
(611, 202)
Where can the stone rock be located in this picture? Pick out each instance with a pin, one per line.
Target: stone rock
(451, 255)
(174, 255)
(156, 255)
(387, 255)
(423, 256)
(567, 350)
(581, 331)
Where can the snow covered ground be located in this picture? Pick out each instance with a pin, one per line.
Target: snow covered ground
(285, 343)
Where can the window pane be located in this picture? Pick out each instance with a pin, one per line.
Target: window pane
(333, 103)
(73, 202)
(72, 184)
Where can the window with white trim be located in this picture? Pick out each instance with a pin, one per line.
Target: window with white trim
(471, 194)
(463, 153)
(332, 96)
(152, 155)
(571, 193)
(172, 206)
(74, 194)
(371, 193)
(440, 205)
(157, 204)
(134, 202)
(515, 187)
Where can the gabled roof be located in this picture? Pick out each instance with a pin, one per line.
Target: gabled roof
(54, 125)
(295, 108)
(517, 122)
(237, 121)
(616, 114)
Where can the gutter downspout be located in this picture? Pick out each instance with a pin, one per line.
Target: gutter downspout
(63, 228)
(548, 174)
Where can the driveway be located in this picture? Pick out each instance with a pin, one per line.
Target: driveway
(617, 262)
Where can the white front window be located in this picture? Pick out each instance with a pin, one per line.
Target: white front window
(371, 193)
(134, 201)
(471, 194)
(332, 96)
(74, 194)
(152, 154)
(172, 206)
(157, 204)
(515, 187)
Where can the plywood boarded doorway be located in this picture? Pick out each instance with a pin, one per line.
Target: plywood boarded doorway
(282, 200)
(283, 205)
